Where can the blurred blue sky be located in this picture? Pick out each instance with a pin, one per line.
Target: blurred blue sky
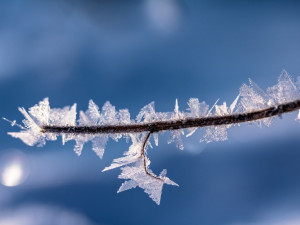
(132, 53)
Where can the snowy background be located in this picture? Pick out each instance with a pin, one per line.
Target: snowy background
(132, 53)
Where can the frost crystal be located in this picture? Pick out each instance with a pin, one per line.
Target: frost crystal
(134, 164)
(219, 133)
(93, 113)
(147, 113)
(254, 98)
(285, 90)
(136, 175)
(136, 172)
(40, 115)
(176, 134)
(197, 110)
(155, 136)
(91, 117)
(99, 143)
(124, 116)
(110, 117)
(131, 155)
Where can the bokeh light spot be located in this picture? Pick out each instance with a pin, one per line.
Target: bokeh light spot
(12, 175)
(14, 169)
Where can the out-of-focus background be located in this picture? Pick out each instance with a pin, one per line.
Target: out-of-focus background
(132, 53)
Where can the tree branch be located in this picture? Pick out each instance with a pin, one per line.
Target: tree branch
(159, 126)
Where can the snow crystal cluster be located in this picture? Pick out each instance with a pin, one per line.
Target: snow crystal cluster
(135, 163)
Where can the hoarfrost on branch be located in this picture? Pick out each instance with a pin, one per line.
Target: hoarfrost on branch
(135, 163)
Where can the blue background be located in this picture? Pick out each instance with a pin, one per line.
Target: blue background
(132, 53)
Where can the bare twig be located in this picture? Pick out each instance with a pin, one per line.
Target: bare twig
(159, 126)
(143, 155)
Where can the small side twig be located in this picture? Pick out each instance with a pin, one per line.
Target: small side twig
(143, 155)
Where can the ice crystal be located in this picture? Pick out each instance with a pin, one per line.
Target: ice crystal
(93, 113)
(136, 176)
(110, 117)
(147, 114)
(197, 110)
(254, 98)
(219, 133)
(285, 90)
(216, 133)
(124, 116)
(91, 117)
(176, 134)
(99, 143)
(135, 171)
(40, 115)
(155, 136)
(131, 155)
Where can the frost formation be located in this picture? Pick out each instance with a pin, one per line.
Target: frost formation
(135, 163)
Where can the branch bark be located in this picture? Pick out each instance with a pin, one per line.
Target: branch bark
(159, 126)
